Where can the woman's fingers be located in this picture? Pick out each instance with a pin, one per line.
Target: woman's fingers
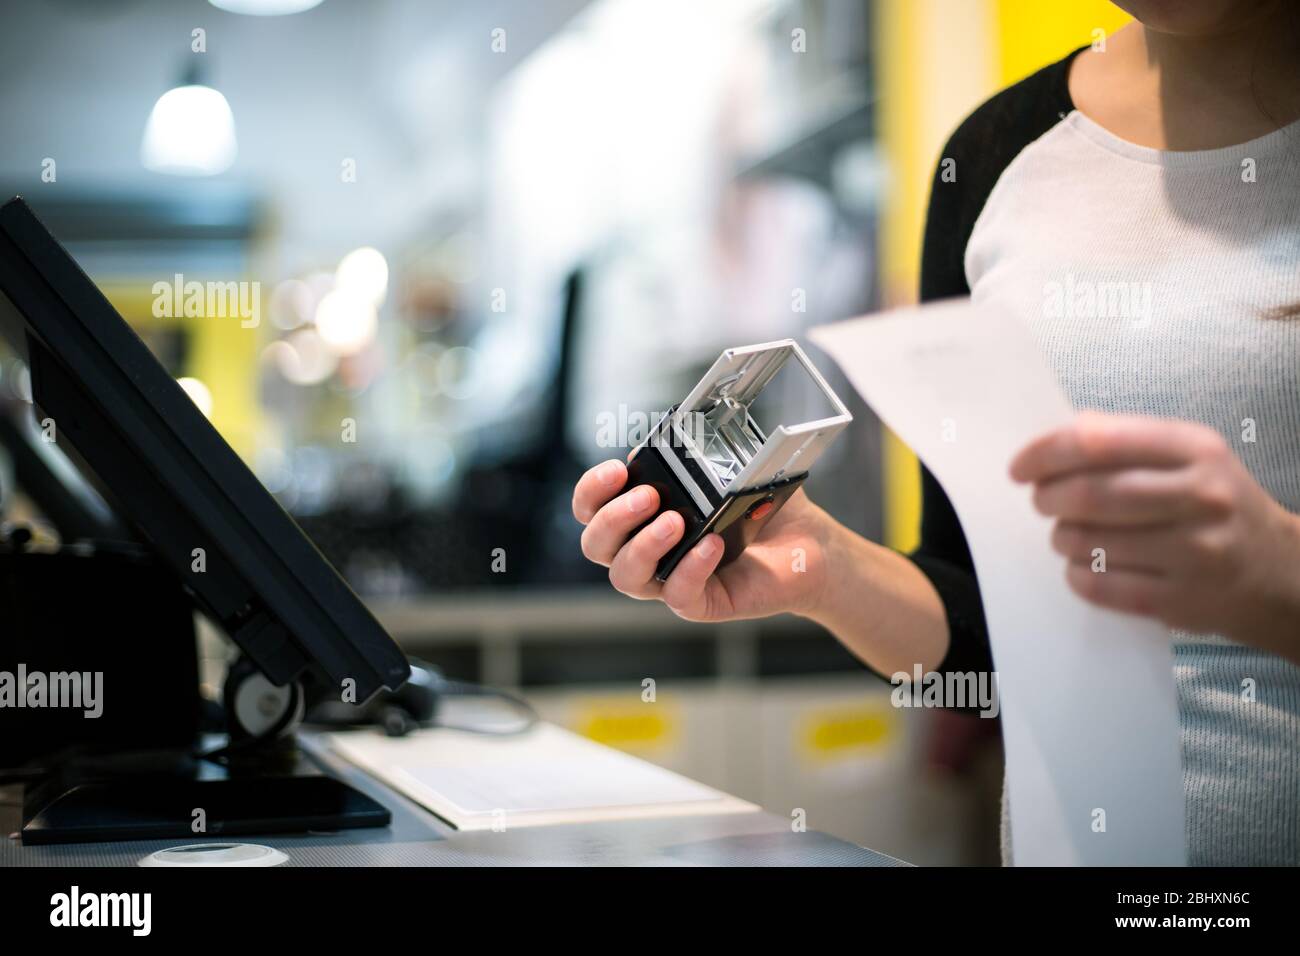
(1133, 592)
(1096, 441)
(633, 569)
(1150, 549)
(611, 525)
(685, 589)
(632, 558)
(1130, 497)
(596, 487)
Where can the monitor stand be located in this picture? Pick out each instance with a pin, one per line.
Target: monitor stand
(159, 795)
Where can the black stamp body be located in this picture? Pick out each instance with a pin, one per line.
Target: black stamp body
(713, 462)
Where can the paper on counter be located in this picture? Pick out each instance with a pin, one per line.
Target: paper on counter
(541, 777)
(1089, 712)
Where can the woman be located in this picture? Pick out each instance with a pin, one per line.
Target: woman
(1138, 206)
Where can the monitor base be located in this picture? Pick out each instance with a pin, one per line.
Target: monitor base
(148, 806)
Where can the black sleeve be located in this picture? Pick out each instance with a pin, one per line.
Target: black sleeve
(972, 161)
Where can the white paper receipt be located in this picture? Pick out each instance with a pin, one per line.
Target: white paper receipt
(1090, 720)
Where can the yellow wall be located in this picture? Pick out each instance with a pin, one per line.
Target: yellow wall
(221, 354)
(1032, 33)
(937, 60)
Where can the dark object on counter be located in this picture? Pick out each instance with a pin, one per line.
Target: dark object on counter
(111, 635)
(159, 805)
(419, 703)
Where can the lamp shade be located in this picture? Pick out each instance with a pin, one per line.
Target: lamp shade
(265, 8)
(191, 132)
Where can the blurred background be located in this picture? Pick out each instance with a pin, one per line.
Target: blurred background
(422, 262)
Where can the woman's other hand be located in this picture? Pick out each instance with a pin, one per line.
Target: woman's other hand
(1159, 518)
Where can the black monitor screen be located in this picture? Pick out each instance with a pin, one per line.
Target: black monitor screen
(137, 435)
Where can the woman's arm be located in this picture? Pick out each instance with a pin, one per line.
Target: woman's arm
(881, 606)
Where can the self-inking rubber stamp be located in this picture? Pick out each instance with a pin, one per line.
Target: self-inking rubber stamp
(712, 462)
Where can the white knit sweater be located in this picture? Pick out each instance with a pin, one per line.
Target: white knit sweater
(1148, 283)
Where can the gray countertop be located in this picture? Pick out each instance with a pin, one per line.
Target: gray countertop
(418, 838)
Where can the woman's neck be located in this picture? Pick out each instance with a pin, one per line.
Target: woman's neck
(1194, 92)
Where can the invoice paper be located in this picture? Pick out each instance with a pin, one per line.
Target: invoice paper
(1089, 713)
